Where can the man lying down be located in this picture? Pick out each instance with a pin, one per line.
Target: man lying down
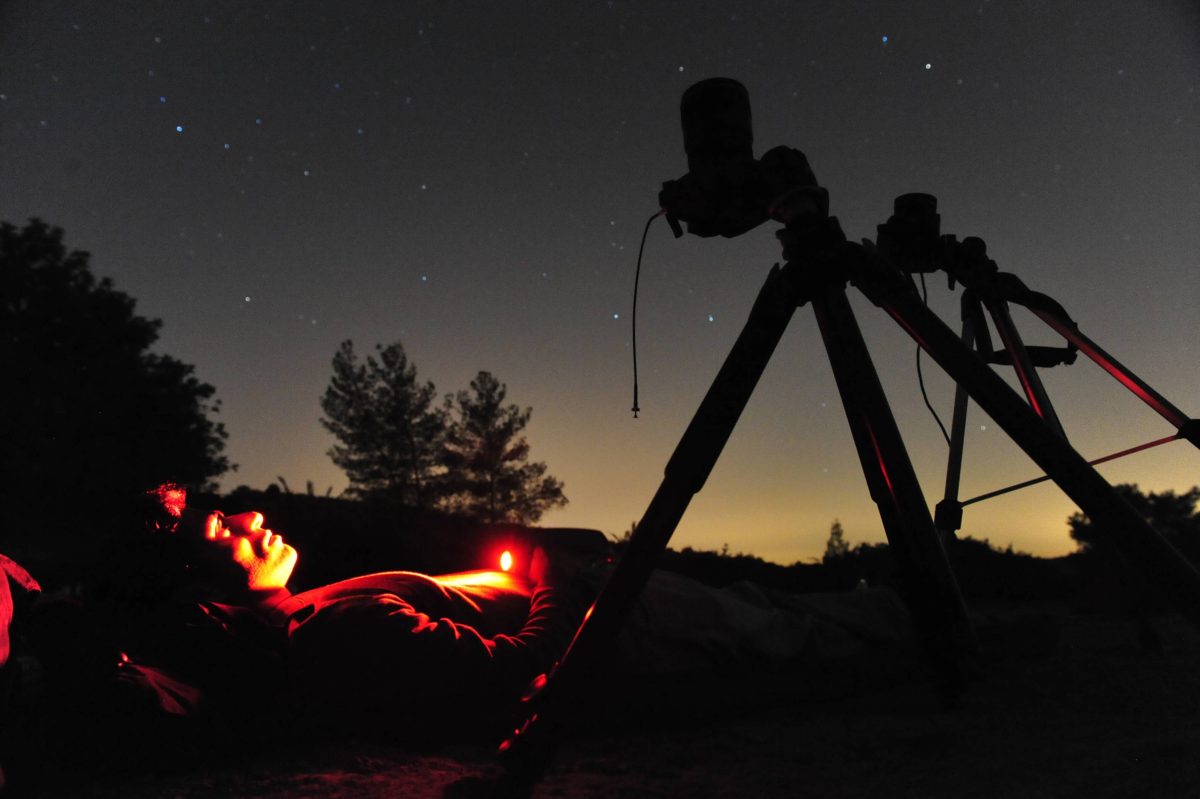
(212, 639)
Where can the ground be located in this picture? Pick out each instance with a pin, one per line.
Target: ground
(1068, 705)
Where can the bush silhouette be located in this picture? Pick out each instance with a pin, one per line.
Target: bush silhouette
(90, 416)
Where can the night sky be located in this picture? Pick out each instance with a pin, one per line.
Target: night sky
(270, 179)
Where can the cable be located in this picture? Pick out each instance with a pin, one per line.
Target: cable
(921, 378)
(637, 276)
(1025, 484)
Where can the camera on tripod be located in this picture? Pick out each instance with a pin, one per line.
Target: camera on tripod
(726, 191)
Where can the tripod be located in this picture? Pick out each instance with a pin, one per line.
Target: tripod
(819, 264)
(987, 288)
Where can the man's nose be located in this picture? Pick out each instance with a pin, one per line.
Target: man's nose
(245, 523)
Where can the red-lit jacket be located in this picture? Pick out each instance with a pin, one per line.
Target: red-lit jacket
(369, 647)
(401, 642)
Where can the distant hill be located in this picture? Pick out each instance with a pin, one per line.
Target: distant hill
(983, 571)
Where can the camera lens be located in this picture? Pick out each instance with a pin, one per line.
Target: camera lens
(716, 124)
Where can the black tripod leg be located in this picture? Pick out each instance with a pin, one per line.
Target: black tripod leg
(928, 582)
(1133, 583)
(1035, 392)
(1188, 428)
(948, 514)
(1139, 542)
(527, 753)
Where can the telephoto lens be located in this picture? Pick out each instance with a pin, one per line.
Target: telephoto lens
(725, 192)
(716, 124)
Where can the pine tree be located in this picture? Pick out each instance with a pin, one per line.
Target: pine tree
(836, 546)
(487, 470)
(390, 436)
(1174, 515)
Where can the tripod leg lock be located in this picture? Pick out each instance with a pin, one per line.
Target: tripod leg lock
(947, 517)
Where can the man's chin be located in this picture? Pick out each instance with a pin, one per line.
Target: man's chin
(290, 557)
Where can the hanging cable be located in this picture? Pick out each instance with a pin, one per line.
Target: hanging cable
(921, 378)
(637, 275)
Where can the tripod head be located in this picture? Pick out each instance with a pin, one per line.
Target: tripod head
(728, 192)
(911, 237)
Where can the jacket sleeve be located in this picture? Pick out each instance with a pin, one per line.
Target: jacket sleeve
(26, 586)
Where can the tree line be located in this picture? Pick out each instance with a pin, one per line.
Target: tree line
(1175, 516)
(465, 455)
(90, 417)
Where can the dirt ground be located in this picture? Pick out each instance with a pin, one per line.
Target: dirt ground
(1068, 705)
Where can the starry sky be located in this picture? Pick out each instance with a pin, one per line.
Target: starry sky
(271, 178)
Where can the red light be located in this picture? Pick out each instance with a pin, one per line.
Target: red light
(506, 560)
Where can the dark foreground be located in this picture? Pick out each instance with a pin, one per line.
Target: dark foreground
(1070, 706)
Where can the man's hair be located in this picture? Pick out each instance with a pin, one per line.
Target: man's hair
(163, 507)
(149, 558)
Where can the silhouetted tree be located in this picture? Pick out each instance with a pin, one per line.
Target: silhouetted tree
(487, 470)
(836, 546)
(390, 435)
(89, 417)
(1174, 515)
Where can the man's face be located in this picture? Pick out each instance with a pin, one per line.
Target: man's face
(262, 558)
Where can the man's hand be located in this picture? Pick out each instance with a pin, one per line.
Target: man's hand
(559, 566)
(539, 566)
